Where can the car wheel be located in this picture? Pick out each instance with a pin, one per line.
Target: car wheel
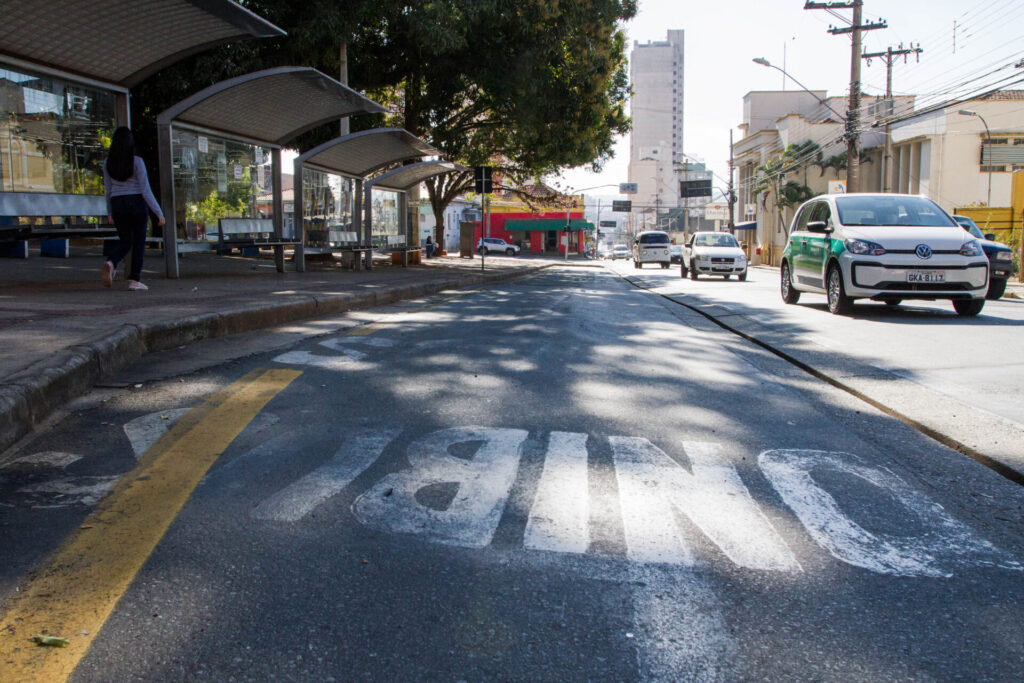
(693, 271)
(790, 295)
(968, 307)
(742, 277)
(893, 302)
(838, 302)
(510, 252)
(726, 277)
(682, 269)
(996, 288)
(664, 266)
(637, 265)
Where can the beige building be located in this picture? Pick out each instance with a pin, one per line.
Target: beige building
(946, 156)
(772, 122)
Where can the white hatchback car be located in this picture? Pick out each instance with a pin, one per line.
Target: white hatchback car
(886, 247)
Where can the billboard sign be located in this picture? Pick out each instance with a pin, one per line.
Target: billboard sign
(620, 205)
(716, 212)
(627, 188)
(694, 188)
(608, 224)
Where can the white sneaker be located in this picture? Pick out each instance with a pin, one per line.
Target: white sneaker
(136, 286)
(107, 273)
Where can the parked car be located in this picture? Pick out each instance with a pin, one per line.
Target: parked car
(886, 247)
(489, 245)
(713, 253)
(675, 253)
(620, 251)
(1000, 257)
(651, 246)
(604, 252)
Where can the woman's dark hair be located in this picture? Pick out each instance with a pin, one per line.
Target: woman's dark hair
(121, 160)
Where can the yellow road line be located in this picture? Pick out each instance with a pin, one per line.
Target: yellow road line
(74, 593)
(364, 330)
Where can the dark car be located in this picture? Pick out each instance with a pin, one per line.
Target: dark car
(1000, 257)
(675, 253)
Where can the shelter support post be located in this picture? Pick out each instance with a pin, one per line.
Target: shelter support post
(167, 201)
(368, 224)
(357, 216)
(299, 216)
(278, 208)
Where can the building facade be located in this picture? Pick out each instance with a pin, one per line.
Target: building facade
(656, 141)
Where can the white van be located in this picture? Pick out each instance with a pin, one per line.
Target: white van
(651, 246)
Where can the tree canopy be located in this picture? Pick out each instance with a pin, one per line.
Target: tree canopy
(532, 86)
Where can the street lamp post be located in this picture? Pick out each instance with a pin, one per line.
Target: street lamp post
(764, 62)
(988, 139)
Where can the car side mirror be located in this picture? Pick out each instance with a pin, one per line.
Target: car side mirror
(990, 236)
(820, 227)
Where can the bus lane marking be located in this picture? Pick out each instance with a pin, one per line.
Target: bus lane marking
(944, 545)
(78, 587)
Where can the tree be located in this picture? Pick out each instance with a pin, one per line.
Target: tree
(770, 177)
(531, 87)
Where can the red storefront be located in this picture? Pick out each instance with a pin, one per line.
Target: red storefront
(538, 233)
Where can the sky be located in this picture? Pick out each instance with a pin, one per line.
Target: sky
(967, 46)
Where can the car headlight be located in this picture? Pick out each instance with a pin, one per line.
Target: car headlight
(864, 248)
(970, 248)
(1004, 256)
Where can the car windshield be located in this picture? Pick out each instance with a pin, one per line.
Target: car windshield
(654, 238)
(892, 211)
(970, 226)
(710, 239)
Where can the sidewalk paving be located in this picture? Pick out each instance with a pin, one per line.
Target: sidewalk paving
(61, 330)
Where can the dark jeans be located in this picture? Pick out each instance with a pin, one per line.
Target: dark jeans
(131, 217)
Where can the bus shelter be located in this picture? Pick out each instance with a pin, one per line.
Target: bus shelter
(63, 89)
(386, 203)
(329, 189)
(220, 149)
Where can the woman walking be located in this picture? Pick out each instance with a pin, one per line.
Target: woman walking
(128, 196)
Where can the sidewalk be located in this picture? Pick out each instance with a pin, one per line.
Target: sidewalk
(61, 330)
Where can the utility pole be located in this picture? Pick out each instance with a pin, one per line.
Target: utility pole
(888, 56)
(853, 109)
(732, 192)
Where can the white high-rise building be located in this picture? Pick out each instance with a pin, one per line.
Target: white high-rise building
(656, 141)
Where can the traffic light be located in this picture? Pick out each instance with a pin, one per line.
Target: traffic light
(482, 175)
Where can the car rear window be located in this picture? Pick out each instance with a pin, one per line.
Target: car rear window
(654, 238)
(892, 211)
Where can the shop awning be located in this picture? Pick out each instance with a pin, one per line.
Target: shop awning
(546, 224)
(746, 226)
(121, 42)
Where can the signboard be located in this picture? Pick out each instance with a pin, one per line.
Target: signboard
(620, 205)
(694, 188)
(837, 187)
(608, 224)
(716, 212)
(750, 210)
(627, 188)
(482, 178)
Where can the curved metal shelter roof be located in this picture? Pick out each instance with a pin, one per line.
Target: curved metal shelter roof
(404, 177)
(273, 105)
(121, 41)
(359, 154)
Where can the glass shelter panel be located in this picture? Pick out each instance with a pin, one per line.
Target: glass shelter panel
(54, 133)
(218, 178)
(327, 209)
(387, 228)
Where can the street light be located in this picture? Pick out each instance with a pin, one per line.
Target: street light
(569, 205)
(764, 62)
(988, 137)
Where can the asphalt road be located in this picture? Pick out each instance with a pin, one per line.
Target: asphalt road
(561, 478)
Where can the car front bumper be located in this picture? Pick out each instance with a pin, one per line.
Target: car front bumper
(891, 278)
(720, 266)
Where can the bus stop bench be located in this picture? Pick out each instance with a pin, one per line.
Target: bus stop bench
(403, 252)
(248, 235)
(70, 212)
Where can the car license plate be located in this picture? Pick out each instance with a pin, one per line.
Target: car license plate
(925, 276)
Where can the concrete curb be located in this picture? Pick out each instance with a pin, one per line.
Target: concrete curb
(28, 397)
